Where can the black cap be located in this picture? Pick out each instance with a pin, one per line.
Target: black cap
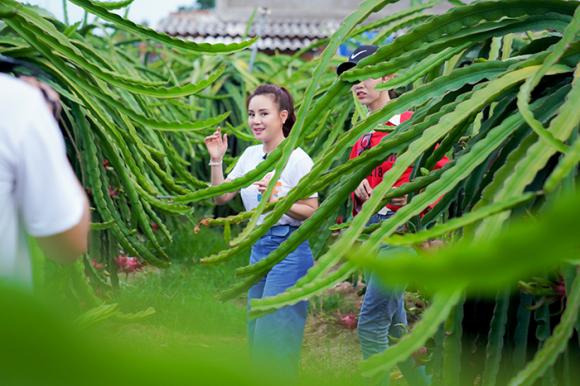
(357, 55)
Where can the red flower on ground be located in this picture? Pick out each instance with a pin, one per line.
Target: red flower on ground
(349, 321)
(128, 264)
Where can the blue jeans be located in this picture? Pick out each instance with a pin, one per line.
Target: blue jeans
(382, 315)
(276, 338)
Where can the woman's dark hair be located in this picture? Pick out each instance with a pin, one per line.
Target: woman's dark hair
(282, 98)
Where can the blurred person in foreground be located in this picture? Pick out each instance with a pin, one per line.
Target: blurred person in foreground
(40, 196)
(382, 313)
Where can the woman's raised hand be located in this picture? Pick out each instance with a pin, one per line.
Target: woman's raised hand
(216, 145)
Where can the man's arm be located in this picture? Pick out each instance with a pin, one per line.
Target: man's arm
(52, 202)
(67, 246)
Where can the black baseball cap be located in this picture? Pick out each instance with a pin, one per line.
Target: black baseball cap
(357, 55)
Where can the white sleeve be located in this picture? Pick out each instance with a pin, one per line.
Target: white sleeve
(48, 193)
(300, 168)
(239, 169)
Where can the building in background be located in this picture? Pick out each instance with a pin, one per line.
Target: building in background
(284, 26)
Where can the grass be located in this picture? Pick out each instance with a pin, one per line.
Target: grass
(188, 315)
(184, 295)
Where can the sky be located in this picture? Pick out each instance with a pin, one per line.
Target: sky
(151, 11)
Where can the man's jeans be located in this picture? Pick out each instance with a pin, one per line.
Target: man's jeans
(276, 339)
(383, 315)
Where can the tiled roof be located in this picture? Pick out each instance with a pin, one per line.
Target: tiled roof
(283, 35)
(285, 25)
(268, 44)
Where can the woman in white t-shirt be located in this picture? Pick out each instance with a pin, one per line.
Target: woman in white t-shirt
(277, 337)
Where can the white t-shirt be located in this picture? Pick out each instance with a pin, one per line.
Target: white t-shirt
(298, 165)
(39, 194)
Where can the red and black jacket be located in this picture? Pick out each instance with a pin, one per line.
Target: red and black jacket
(366, 142)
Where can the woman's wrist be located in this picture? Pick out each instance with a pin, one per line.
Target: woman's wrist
(215, 162)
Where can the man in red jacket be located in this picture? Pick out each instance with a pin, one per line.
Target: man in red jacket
(383, 312)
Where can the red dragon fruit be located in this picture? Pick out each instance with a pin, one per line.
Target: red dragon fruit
(128, 264)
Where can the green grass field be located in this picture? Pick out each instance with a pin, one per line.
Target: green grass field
(188, 314)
